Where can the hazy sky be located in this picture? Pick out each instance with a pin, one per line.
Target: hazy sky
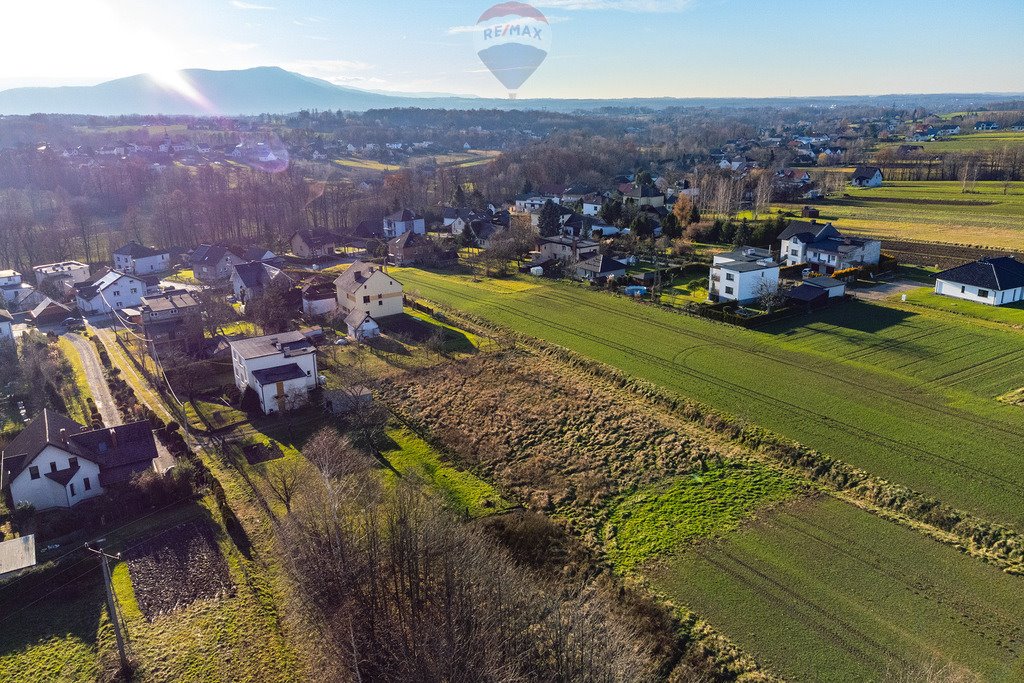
(600, 48)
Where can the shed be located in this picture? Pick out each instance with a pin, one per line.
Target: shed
(17, 554)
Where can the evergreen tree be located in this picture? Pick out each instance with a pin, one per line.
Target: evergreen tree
(642, 226)
(742, 236)
(460, 196)
(670, 227)
(694, 215)
(550, 223)
(527, 187)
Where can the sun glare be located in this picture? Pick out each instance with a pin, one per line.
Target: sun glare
(174, 80)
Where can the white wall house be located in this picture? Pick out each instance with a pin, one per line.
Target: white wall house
(867, 176)
(11, 285)
(319, 299)
(404, 221)
(213, 262)
(57, 463)
(995, 281)
(72, 271)
(534, 202)
(6, 321)
(742, 275)
(368, 289)
(138, 259)
(113, 291)
(825, 249)
(280, 368)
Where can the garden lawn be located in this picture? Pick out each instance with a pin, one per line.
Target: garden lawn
(1010, 314)
(823, 591)
(932, 211)
(910, 397)
(412, 457)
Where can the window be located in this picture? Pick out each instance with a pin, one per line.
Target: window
(72, 462)
(53, 467)
(72, 488)
(366, 299)
(380, 303)
(33, 472)
(963, 289)
(134, 290)
(87, 484)
(794, 252)
(730, 277)
(983, 293)
(728, 290)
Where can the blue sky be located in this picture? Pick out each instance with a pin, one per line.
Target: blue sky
(600, 48)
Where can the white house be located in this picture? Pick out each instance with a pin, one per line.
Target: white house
(824, 249)
(57, 463)
(319, 298)
(11, 285)
(404, 221)
(742, 275)
(867, 176)
(565, 248)
(361, 326)
(592, 204)
(534, 202)
(992, 281)
(314, 244)
(6, 322)
(600, 267)
(280, 368)
(113, 291)
(138, 259)
(368, 289)
(72, 271)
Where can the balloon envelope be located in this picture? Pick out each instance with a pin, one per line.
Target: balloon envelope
(512, 40)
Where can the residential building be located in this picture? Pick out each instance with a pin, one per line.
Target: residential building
(319, 298)
(402, 222)
(824, 249)
(986, 125)
(11, 285)
(72, 271)
(592, 204)
(562, 247)
(113, 291)
(600, 267)
(6, 326)
(645, 195)
(250, 280)
(867, 176)
(48, 312)
(366, 288)
(534, 202)
(213, 262)
(57, 463)
(992, 281)
(137, 259)
(361, 326)
(409, 248)
(280, 368)
(172, 321)
(743, 275)
(314, 244)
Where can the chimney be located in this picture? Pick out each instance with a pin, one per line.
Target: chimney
(113, 438)
(63, 436)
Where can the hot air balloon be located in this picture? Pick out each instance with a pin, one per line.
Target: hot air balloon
(512, 40)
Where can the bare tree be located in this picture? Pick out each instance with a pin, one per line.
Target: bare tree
(285, 479)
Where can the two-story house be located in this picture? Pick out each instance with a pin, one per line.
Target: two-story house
(314, 244)
(366, 288)
(742, 275)
(213, 262)
(172, 321)
(280, 368)
(138, 259)
(11, 285)
(867, 176)
(112, 292)
(249, 280)
(404, 221)
(57, 463)
(566, 248)
(6, 326)
(70, 271)
(824, 249)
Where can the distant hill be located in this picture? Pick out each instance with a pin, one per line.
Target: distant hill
(274, 90)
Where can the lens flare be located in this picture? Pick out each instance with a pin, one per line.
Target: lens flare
(176, 82)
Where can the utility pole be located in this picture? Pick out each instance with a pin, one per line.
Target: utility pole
(112, 606)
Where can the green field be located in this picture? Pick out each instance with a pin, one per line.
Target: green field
(936, 211)
(823, 591)
(1011, 315)
(986, 141)
(907, 396)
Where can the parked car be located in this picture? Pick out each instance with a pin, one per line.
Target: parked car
(73, 324)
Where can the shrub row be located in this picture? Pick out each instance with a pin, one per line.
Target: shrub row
(990, 541)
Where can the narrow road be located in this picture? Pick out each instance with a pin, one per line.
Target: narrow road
(97, 382)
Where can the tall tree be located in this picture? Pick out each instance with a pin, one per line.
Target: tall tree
(550, 223)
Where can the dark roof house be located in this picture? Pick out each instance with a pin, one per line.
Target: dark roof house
(997, 274)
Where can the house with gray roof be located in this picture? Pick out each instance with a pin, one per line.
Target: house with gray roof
(824, 249)
(743, 275)
(992, 281)
(280, 368)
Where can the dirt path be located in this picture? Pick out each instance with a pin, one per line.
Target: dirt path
(97, 382)
(886, 289)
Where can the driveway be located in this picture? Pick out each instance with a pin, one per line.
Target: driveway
(885, 290)
(97, 382)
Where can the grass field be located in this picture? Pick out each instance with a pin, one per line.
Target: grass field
(1011, 315)
(986, 141)
(367, 165)
(931, 211)
(823, 591)
(908, 396)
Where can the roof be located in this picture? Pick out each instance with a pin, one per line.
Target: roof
(643, 191)
(256, 274)
(316, 239)
(89, 291)
(17, 553)
(806, 294)
(318, 290)
(1000, 273)
(865, 172)
(602, 263)
(570, 241)
(811, 228)
(357, 274)
(281, 373)
(290, 343)
(168, 301)
(403, 216)
(136, 250)
(5, 316)
(212, 254)
(118, 451)
(748, 266)
(824, 282)
(46, 304)
(356, 318)
(407, 239)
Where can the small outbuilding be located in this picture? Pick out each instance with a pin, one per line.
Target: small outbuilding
(361, 326)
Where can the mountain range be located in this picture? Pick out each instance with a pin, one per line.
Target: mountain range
(276, 91)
